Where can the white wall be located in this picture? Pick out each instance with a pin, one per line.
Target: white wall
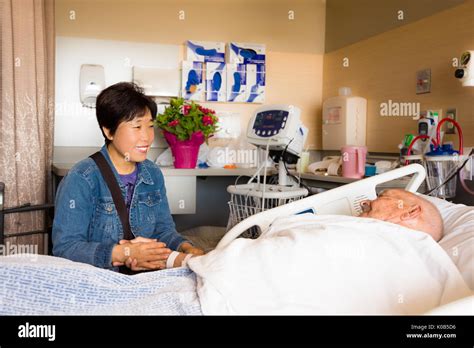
(76, 125)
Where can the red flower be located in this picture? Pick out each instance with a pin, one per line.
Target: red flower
(207, 120)
(173, 123)
(186, 109)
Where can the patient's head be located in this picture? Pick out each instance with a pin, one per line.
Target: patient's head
(406, 209)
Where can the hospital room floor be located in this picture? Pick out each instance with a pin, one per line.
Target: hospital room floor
(205, 237)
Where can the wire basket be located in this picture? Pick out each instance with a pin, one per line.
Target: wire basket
(250, 199)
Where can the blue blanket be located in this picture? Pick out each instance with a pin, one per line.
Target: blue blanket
(46, 285)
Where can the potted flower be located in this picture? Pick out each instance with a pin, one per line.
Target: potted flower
(186, 125)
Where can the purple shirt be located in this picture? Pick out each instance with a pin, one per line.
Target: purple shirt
(129, 181)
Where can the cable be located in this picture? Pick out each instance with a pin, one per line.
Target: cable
(265, 175)
(456, 172)
(300, 182)
(464, 185)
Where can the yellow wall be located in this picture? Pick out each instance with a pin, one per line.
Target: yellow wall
(384, 66)
(295, 48)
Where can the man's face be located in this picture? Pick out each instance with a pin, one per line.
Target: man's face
(390, 205)
(406, 209)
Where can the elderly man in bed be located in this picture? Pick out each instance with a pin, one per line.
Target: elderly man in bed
(394, 205)
(406, 209)
(387, 261)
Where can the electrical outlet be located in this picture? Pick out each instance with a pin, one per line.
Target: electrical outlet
(423, 81)
(449, 128)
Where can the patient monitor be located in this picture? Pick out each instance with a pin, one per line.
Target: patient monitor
(279, 127)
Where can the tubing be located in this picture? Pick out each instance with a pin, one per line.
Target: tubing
(413, 143)
(438, 136)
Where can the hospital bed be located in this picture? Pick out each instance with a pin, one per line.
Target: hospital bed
(51, 285)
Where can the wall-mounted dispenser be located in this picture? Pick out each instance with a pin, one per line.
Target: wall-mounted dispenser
(344, 120)
(465, 72)
(92, 82)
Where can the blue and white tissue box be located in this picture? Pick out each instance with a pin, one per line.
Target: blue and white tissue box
(236, 83)
(192, 83)
(216, 82)
(245, 53)
(255, 83)
(205, 51)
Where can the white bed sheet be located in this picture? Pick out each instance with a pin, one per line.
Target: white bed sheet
(458, 238)
(328, 264)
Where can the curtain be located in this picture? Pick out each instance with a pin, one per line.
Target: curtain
(27, 114)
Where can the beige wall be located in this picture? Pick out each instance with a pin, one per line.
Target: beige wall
(350, 21)
(383, 67)
(294, 47)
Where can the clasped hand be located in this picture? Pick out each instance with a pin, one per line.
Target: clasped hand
(141, 254)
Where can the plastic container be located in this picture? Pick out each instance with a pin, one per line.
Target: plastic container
(370, 170)
(303, 162)
(440, 164)
(353, 161)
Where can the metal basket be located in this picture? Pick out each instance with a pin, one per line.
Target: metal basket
(250, 199)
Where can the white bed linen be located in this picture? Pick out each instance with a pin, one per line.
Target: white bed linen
(464, 306)
(311, 264)
(458, 239)
(46, 285)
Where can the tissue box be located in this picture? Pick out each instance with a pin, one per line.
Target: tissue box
(192, 87)
(205, 51)
(216, 82)
(255, 92)
(236, 83)
(238, 52)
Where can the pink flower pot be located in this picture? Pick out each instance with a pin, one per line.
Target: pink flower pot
(185, 152)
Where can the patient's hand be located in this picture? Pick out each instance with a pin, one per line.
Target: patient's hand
(190, 249)
(140, 254)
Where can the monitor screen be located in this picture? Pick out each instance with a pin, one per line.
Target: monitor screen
(270, 119)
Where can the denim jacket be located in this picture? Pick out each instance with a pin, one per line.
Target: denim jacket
(86, 225)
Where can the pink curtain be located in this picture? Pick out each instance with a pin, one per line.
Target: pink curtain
(27, 113)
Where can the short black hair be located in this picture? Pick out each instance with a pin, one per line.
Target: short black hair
(122, 102)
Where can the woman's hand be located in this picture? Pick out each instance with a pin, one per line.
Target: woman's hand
(190, 249)
(140, 254)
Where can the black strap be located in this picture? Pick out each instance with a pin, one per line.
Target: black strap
(114, 188)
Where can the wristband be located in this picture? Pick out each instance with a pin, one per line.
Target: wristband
(171, 258)
(185, 261)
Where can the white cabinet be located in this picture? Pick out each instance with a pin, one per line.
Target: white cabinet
(181, 193)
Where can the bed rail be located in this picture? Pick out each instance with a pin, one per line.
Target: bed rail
(343, 200)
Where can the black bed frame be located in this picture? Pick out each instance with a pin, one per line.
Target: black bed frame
(24, 209)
